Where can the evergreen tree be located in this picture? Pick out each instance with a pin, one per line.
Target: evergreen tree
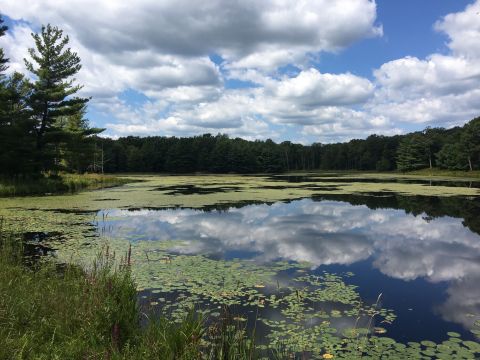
(452, 157)
(51, 97)
(413, 153)
(78, 144)
(3, 68)
(15, 127)
(470, 140)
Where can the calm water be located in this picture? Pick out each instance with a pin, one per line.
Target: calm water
(421, 253)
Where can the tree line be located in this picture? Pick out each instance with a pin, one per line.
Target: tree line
(457, 148)
(453, 149)
(43, 129)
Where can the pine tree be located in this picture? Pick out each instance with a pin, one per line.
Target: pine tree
(470, 141)
(453, 157)
(54, 65)
(14, 124)
(78, 143)
(16, 128)
(413, 153)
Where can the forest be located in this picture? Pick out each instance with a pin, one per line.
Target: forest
(454, 149)
(44, 129)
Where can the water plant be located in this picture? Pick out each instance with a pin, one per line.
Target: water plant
(145, 309)
(67, 312)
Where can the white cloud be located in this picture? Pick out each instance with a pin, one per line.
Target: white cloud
(436, 76)
(162, 49)
(226, 114)
(312, 89)
(463, 30)
(399, 245)
(186, 95)
(182, 27)
(15, 45)
(441, 90)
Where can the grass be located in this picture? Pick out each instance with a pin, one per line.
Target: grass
(48, 312)
(475, 174)
(68, 312)
(52, 184)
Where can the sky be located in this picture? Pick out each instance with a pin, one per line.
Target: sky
(288, 70)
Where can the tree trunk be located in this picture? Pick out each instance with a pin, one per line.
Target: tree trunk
(470, 163)
(286, 157)
(102, 159)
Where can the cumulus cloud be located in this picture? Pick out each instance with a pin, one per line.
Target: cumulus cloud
(165, 50)
(225, 115)
(438, 75)
(16, 46)
(463, 30)
(312, 89)
(162, 50)
(441, 89)
(181, 27)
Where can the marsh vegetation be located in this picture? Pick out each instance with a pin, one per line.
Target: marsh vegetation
(305, 265)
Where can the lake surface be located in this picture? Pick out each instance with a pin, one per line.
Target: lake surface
(424, 260)
(302, 264)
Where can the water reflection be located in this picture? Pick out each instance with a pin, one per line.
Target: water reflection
(405, 244)
(321, 233)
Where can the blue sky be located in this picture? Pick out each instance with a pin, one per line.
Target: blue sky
(306, 71)
(408, 31)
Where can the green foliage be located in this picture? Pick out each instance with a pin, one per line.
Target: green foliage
(413, 152)
(73, 313)
(463, 151)
(50, 313)
(452, 157)
(60, 183)
(220, 154)
(470, 141)
(16, 128)
(42, 124)
(52, 96)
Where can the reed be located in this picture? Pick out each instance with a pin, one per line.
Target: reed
(54, 184)
(67, 312)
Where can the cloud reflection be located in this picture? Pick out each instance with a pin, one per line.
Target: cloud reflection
(400, 245)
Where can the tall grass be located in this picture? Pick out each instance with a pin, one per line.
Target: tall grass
(447, 173)
(51, 312)
(51, 184)
(68, 313)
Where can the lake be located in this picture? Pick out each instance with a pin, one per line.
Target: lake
(308, 261)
